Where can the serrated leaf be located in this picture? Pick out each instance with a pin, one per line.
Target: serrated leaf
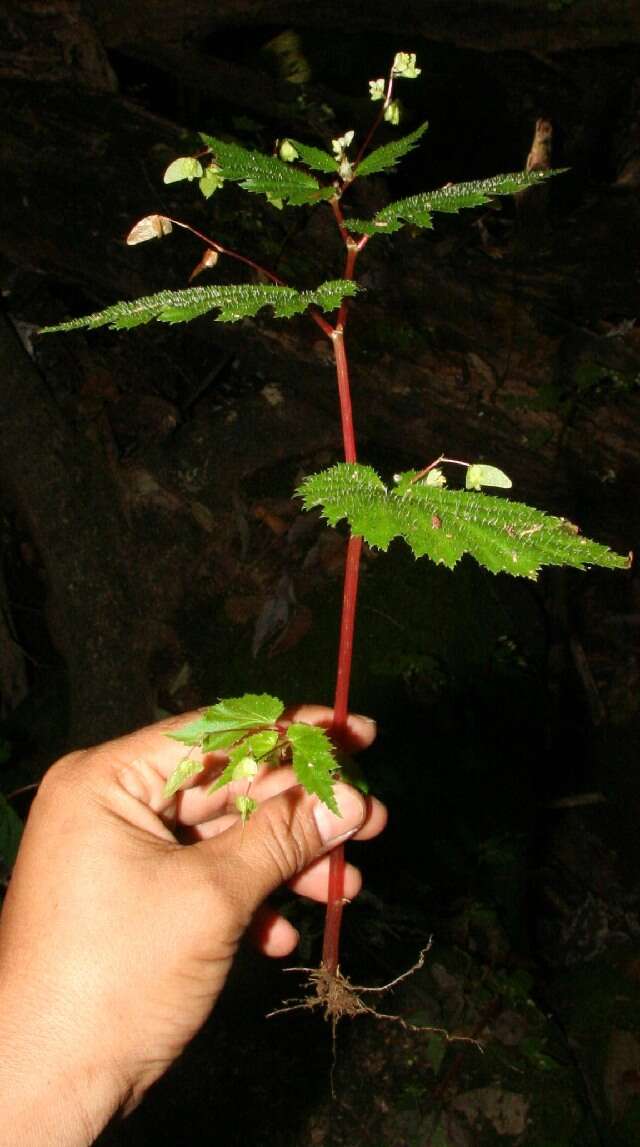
(390, 153)
(479, 475)
(10, 832)
(181, 773)
(185, 167)
(262, 174)
(223, 724)
(417, 209)
(246, 712)
(313, 761)
(501, 535)
(372, 226)
(315, 157)
(233, 303)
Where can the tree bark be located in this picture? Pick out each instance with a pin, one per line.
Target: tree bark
(61, 489)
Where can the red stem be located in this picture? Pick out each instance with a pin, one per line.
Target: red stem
(335, 896)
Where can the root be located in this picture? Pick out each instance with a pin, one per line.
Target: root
(338, 997)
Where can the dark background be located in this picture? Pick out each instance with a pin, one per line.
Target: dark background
(152, 558)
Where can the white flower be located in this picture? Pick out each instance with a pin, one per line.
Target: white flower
(404, 65)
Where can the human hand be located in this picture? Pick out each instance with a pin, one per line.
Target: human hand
(116, 939)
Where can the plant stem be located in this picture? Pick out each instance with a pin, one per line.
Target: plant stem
(335, 896)
(344, 394)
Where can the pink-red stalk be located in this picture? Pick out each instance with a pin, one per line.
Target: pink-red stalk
(335, 896)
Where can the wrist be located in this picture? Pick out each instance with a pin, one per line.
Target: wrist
(53, 1095)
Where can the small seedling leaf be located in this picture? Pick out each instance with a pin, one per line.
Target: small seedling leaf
(501, 535)
(187, 768)
(479, 475)
(10, 832)
(313, 761)
(233, 303)
(186, 167)
(390, 153)
(265, 174)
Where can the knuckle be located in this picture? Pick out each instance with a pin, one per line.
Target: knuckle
(287, 840)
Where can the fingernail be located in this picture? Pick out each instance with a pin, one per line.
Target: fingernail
(362, 717)
(352, 808)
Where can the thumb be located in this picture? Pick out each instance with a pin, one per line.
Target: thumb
(285, 835)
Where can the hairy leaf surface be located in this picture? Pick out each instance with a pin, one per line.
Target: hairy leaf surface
(265, 174)
(389, 154)
(418, 209)
(501, 535)
(315, 158)
(313, 761)
(233, 303)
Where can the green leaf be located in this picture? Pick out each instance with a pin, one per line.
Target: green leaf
(187, 768)
(313, 761)
(245, 757)
(10, 832)
(233, 303)
(501, 535)
(480, 475)
(417, 209)
(246, 712)
(390, 153)
(262, 743)
(217, 742)
(223, 724)
(186, 167)
(372, 226)
(262, 174)
(315, 158)
(228, 774)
